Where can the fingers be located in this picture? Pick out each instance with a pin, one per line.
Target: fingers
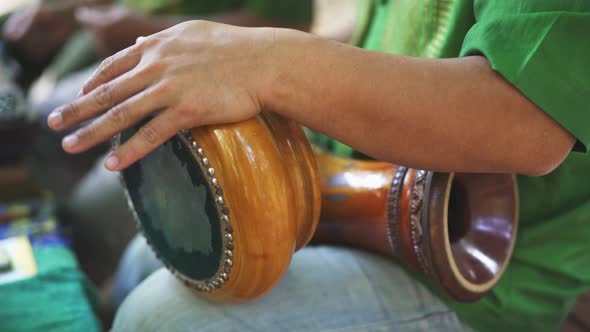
(113, 67)
(149, 137)
(117, 119)
(99, 100)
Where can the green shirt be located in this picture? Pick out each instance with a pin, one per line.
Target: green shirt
(542, 48)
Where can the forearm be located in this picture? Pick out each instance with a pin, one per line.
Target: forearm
(442, 115)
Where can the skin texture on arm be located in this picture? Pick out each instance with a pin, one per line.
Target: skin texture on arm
(441, 115)
(436, 114)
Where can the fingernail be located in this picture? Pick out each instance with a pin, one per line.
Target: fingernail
(55, 120)
(80, 93)
(70, 141)
(112, 162)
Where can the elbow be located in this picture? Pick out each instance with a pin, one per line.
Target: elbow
(541, 169)
(544, 162)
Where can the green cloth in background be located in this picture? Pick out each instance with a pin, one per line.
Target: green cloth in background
(55, 300)
(59, 297)
(542, 48)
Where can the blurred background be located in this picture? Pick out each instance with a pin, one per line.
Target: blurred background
(64, 221)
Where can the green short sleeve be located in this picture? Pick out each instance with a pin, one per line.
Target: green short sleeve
(294, 11)
(542, 47)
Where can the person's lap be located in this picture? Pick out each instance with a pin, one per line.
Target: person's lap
(325, 289)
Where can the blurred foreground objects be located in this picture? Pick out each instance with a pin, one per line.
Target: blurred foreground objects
(41, 284)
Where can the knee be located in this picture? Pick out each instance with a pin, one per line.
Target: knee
(162, 303)
(153, 305)
(137, 263)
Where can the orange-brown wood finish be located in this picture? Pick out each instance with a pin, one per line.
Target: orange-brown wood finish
(354, 195)
(459, 229)
(270, 185)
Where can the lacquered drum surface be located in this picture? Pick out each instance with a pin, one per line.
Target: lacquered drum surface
(176, 208)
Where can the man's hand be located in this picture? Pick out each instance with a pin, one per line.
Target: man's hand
(114, 27)
(194, 74)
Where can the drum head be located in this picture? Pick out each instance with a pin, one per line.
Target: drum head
(173, 202)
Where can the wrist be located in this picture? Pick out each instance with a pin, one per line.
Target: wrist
(286, 64)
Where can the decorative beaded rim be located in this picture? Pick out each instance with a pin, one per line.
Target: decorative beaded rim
(416, 200)
(393, 199)
(416, 221)
(222, 274)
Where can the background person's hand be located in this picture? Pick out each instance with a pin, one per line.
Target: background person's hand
(39, 31)
(114, 27)
(196, 73)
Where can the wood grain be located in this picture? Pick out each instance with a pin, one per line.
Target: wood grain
(273, 204)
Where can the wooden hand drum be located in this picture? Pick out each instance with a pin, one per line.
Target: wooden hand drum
(225, 207)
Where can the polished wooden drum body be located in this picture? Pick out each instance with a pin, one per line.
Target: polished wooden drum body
(457, 228)
(225, 207)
